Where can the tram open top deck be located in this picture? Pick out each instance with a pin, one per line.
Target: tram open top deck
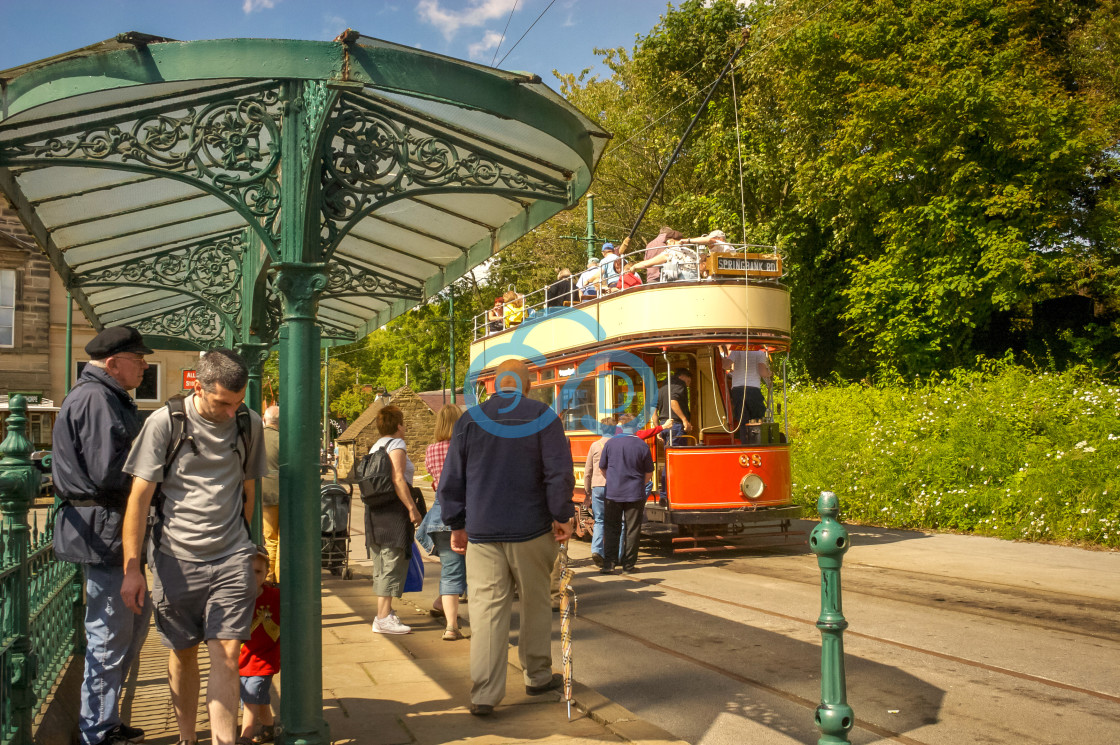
(723, 311)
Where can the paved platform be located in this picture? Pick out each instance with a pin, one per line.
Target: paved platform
(401, 690)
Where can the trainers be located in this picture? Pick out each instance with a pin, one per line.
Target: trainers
(452, 635)
(390, 624)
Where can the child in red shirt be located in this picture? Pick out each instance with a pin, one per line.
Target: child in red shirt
(260, 658)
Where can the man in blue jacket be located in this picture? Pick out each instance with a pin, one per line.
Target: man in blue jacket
(92, 436)
(506, 488)
(628, 466)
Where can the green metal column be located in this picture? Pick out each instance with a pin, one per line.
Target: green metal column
(326, 400)
(829, 541)
(255, 354)
(19, 483)
(300, 279)
(451, 315)
(69, 342)
(590, 226)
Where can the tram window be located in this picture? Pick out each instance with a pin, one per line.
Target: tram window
(546, 394)
(577, 405)
(628, 392)
(548, 373)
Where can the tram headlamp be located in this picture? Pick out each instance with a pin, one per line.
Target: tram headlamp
(752, 486)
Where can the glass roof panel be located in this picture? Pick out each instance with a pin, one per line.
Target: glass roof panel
(130, 194)
(152, 237)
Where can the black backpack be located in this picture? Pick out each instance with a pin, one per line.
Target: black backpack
(180, 435)
(375, 479)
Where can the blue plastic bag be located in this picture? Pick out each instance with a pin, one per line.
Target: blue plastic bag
(414, 580)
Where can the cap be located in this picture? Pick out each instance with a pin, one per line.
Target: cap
(114, 340)
(608, 247)
(717, 234)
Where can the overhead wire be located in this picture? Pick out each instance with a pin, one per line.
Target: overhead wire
(499, 47)
(534, 23)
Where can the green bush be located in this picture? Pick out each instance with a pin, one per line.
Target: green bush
(1002, 451)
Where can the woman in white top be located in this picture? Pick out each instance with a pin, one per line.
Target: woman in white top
(390, 529)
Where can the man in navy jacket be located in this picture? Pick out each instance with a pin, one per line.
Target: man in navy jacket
(92, 436)
(506, 488)
(628, 466)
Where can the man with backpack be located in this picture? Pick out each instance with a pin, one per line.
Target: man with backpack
(92, 436)
(200, 454)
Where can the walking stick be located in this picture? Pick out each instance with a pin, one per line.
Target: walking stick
(567, 613)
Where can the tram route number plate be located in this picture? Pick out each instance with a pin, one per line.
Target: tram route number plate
(753, 265)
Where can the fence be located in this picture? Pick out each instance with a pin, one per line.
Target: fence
(40, 598)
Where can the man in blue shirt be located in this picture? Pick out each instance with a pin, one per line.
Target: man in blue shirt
(628, 465)
(506, 488)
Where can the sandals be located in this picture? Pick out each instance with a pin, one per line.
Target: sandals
(267, 733)
(452, 635)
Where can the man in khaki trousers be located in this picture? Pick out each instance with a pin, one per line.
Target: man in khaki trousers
(506, 494)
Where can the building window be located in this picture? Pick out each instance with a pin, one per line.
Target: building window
(7, 307)
(148, 390)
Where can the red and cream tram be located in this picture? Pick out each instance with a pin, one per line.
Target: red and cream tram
(600, 357)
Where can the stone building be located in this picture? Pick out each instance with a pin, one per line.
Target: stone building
(33, 311)
(360, 436)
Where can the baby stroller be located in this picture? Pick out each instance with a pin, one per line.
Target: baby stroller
(334, 516)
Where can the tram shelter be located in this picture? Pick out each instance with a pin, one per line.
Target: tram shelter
(256, 193)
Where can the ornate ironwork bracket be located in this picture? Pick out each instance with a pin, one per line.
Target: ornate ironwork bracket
(300, 286)
(345, 278)
(198, 324)
(375, 156)
(229, 147)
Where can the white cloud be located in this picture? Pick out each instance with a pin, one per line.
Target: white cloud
(251, 6)
(477, 13)
(333, 25)
(490, 41)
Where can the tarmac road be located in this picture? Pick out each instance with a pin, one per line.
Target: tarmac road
(952, 640)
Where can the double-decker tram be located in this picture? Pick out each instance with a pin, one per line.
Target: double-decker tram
(612, 355)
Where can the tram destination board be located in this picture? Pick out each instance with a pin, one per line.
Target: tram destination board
(736, 265)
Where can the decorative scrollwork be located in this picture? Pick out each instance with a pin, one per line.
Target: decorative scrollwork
(210, 270)
(372, 157)
(330, 330)
(233, 145)
(315, 98)
(197, 324)
(347, 279)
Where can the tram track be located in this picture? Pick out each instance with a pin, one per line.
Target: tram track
(954, 656)
(860, 635)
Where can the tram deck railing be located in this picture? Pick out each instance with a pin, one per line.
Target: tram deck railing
(535, 302)
(40, 597)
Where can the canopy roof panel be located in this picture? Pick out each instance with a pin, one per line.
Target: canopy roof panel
(154, 172)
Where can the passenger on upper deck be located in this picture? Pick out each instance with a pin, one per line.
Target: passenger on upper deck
(561, 292)
(676, 262)
(588, 282)
(655, 248)
(608, 266)
(494, 316)
(514, 311)
(715, 240)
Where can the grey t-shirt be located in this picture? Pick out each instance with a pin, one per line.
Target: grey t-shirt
(202, 496)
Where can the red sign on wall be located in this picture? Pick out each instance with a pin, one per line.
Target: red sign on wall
(188, 380)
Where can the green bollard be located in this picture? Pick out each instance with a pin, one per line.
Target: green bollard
(19, 483)
(829, 541)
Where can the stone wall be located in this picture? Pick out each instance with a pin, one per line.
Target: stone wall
(24, 366)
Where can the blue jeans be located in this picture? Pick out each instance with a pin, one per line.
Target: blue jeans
(452, 566)
(114, 635)
(598, 509)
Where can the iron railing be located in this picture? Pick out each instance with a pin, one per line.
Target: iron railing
(40, 598)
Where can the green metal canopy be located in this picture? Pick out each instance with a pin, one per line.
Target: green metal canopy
(218, 192)
(151, 171)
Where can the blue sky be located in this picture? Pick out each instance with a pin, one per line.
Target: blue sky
(563, 39)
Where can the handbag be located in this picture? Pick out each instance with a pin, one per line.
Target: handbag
(414, 580)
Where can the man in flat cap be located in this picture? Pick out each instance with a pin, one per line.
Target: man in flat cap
(93, 433)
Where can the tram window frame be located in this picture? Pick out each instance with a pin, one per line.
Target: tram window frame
(574, 422)
(637, 403)
(536, 392)
(548, 373)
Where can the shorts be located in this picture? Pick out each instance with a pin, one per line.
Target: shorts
(256, 689)
(452, 566)
(390, 566)
(197, 601)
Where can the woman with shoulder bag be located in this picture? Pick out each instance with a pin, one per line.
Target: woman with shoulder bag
(390, 528)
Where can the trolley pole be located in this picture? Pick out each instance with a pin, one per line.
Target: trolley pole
(829, 541)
